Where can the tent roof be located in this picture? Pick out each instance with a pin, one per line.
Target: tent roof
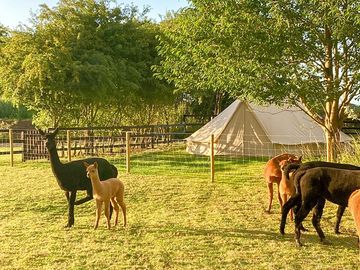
(281, 125)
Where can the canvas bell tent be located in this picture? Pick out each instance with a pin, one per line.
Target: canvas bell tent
(246, 129)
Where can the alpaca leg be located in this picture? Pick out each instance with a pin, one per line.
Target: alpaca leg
(291, 210)
(307, 205)
(270, 195)
(107, 213)
(111, 210)
(67, 195)
(317, 213)
(279, 197)
(291, 214)
(339, 215)
(121, 202)
(89, 196)
(116, 209)
(98, 213)
(284, 199)
(286, 208)
(71, 219)
(296, 209)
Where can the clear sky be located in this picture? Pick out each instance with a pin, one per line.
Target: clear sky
(12, 12)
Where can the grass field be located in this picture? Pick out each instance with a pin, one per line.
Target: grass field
(177, 219)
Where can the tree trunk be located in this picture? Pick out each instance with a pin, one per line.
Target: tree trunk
(332, 130)
(218, 99)
(330, 149)
(331, 106)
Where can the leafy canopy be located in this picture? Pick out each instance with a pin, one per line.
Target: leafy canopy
(304, 52)
(79, 58)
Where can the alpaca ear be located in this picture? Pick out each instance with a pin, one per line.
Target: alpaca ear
(42, 133)
(96, 165)
(86, 164)
(56, 131)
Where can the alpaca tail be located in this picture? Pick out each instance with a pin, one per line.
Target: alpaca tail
(297, 179)
(290, 167)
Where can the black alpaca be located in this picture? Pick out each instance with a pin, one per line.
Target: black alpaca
(318, 184)
(295, 201)
(71, 176)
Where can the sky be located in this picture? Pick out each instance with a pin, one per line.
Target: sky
(13, 12)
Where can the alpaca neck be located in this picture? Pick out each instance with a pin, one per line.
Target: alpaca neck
(55, 160)
(95, 182)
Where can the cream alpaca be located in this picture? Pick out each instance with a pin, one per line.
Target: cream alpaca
(110, 190)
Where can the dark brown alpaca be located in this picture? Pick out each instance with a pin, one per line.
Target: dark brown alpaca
(71, 176)
(295, 201)
(323, 183)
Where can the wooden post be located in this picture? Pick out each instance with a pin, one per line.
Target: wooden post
(68, 145)
(212, 158)
(127, 151)
(23, 145)
(11, 145)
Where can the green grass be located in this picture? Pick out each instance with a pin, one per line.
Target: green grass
(177, 219)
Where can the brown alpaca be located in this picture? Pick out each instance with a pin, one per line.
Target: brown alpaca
(110, 190)
(273, 174)
(354, 207)
(286, 187)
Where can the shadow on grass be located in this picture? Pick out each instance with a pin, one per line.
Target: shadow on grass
(331, 241)
(217, 232)
(308, 239)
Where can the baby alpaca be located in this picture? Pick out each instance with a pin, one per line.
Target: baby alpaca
(273, 174)
(354, 206)
(110, 190)
(286, 187)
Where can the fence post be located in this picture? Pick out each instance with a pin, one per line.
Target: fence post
(127, 151)
(212, 158)
(68, 139)
(11, 145)
(23, 145)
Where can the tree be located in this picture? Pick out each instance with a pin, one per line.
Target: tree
(79, 59)
(302, 52)
(202, 99)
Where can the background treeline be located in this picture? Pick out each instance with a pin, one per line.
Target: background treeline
(88, 63)
(94, 62)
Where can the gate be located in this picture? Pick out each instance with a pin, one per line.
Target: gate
(34, 146)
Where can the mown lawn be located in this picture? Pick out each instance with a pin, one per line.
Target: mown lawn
(177, 219)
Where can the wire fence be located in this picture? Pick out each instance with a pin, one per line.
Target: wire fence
(165, 151)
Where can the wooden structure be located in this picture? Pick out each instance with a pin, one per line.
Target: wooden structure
(73, 142)
(33, 146)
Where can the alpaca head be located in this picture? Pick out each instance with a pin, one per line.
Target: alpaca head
(285, 162)
(49, 138)
(296, 160)
(91, 169)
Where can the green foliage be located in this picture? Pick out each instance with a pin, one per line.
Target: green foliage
(299, 52)
(80, 58)
(8, 111)
(268, 51)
